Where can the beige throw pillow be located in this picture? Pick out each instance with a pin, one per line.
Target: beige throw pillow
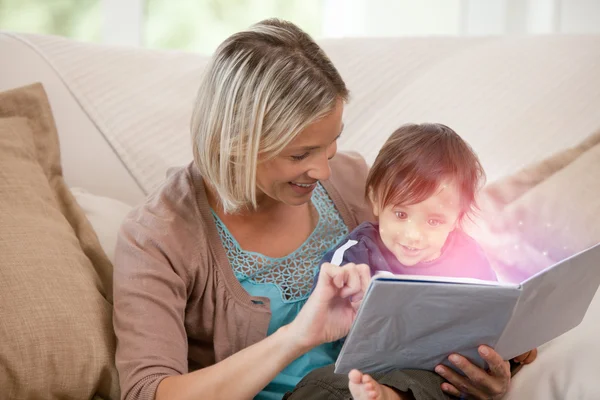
(544, 213)
(55, 280)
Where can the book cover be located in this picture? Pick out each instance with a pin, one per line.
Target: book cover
(408, 321)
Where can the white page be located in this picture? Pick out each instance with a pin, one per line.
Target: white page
(553, 302)
(443, 279)
(414, 324)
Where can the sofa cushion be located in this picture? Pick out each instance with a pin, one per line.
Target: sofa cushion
(105, 214)
(544, 213)
(55, 280)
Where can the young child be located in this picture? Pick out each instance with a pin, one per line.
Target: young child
(422, 186)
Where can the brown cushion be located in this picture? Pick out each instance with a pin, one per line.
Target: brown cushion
(55, 281)
(544, 213)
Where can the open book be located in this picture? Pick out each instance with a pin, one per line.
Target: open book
(417, 321)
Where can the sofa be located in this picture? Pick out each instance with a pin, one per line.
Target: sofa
(87, 131)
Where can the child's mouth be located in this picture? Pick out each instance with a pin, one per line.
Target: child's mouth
(410, 250)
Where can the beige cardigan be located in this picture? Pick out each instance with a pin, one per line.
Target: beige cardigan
(177, 303)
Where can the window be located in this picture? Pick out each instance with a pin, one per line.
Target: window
(201, 25)
(77, 19)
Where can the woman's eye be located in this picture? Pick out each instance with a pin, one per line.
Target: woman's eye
(434, 222)
(400, 215)
(300, 157)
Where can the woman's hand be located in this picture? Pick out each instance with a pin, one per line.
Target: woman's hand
(477, 383)
(331, 308)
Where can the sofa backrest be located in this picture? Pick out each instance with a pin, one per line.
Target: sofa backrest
(127, 110)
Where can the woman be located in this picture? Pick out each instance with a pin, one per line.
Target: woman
(213, 271)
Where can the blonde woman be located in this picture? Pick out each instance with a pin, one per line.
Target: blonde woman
(213, 271)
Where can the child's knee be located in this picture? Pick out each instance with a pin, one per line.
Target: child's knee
(321, 383)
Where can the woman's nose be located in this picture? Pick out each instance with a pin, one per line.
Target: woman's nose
(320, 170)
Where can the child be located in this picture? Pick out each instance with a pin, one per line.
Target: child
(421, 187)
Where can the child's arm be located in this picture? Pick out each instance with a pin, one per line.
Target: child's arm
(350, 250)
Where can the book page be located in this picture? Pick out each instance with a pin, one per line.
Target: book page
(553, 302)
(440, 279)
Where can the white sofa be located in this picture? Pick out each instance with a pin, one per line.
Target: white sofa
(123, 113)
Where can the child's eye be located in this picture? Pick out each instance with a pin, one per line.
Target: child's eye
(300, 157)
(435, 222)
(400, 214)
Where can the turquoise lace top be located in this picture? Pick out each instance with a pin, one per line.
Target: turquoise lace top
(287, 282)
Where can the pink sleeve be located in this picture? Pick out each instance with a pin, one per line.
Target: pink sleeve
(149, 306)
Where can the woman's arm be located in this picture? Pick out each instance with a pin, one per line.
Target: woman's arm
(150, 299)
(240, 376)
(326, 316)
(151, 286)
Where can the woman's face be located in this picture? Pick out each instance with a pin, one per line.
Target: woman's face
(292, 175)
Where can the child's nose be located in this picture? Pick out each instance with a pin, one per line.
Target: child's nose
(413, 233)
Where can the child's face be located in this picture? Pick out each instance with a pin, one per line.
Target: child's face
(417, 233)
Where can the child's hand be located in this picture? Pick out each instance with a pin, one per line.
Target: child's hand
(526, 358)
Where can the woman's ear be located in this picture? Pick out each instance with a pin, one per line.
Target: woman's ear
(374, 203)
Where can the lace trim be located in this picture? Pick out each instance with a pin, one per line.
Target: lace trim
(293, 274)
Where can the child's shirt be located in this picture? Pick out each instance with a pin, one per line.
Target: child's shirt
(460, 257)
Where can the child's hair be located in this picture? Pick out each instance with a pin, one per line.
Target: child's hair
(416, 158)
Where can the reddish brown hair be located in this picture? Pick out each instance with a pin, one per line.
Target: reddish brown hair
(416, 158)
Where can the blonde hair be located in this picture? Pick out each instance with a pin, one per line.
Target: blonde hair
(262, 87)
